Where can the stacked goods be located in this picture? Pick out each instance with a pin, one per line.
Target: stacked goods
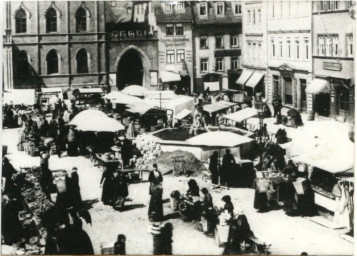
(148, 146)
(33, 193)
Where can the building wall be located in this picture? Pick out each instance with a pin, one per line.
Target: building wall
(336, 67)
(66, 41)
(289, 23)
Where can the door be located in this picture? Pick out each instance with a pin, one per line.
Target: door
(288, 91)
(303, 101)
(322, 104)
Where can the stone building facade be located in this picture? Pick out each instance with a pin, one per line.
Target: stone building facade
(333, 59)
(254, 56)
(217, 42)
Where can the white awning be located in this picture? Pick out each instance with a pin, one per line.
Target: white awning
(168, 76)
(183, 114)
(90, 90)
(318, 86)
(218, 106)
(254, 79)
(20, 96)
(213, 86)
(244, 77)
(52, 90)
(242, 115)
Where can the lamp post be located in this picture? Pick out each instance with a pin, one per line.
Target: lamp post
(259, 135)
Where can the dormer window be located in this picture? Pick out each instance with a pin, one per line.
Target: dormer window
(179, 7)
(220, 9)
(168, 8)
(203, 9)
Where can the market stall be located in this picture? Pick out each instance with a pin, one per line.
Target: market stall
(90, 96)
(242, 115)
(326, 164)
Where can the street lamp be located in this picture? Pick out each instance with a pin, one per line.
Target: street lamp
(259, 135)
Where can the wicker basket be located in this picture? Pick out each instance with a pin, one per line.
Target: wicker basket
(262, 185)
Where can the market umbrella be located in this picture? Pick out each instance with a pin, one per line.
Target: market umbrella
(219, 139)
(135, 90)
(121, 98)
(100, 124)
(140, 107)
(84, 115)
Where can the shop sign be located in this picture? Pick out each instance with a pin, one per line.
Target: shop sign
(332, 66)
(227, 52)
(175, 41)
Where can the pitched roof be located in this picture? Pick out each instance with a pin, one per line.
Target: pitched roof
(174, 16)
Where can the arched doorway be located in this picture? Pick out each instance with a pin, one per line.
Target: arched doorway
(130, 69)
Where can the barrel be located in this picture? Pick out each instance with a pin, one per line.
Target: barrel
(310, 115)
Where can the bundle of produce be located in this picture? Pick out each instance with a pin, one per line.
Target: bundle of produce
(165, 162)
(34, 194)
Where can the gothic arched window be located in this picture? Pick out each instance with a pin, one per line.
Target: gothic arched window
(21, 22)
(52, 62)
(51, 20)
(82, 61)
(81, 20)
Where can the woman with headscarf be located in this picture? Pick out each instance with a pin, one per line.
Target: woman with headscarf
(155, 211)
(239, 231)
(228, 205)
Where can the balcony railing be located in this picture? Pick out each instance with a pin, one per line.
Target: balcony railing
(131, 35)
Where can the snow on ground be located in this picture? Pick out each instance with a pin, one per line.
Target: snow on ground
(287, 235)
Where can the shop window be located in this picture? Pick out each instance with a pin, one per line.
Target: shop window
(203, 43)
(170, 56)
(52, 62)
(180, 56)
(219, 42)
(219, 64)
(179, 29)
(234, 62)
(343, 102)
(288, 91)
(220, 9)
(203, 9)
(21, 21)
(51, 20)
(234, 41)
(82, 61)
(276, 85)
(204, 65)
(81, 20)
(22, 63)
(169, 29)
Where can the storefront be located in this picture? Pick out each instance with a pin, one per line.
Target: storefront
(332, 97)
(291, 85)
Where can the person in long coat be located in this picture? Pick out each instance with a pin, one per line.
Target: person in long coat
(290, 197)
(155, 211)
(74, 189)
(213, 167)
(120, 190)
(44, 126)
(106, 182)
(11, 228)
(53, 127)
(228, 164)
